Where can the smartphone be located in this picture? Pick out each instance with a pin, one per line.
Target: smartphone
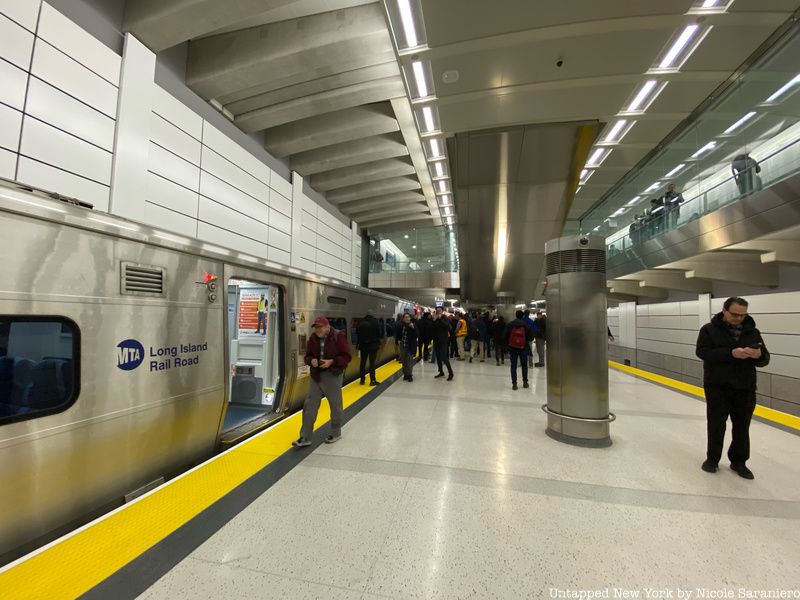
(755, 346)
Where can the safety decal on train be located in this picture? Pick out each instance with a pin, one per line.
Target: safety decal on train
(131, 354)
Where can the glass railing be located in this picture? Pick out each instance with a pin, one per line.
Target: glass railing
(446, 266)
(751, 174)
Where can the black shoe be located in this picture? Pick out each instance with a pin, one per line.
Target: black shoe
(514, 386)
(450, 377)
(438, 375)
(373, 383)
(743, 471)
(709, 467)
(538, 364)
(470, 360)
(362, 382)
(301, 443)
(333, 438)
(525, 384)
(410, 379)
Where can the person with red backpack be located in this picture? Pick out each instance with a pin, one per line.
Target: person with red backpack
(518, 337)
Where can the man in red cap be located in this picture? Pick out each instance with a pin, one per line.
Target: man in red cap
(328, 354)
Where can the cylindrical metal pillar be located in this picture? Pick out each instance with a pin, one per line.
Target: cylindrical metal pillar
(577, 344)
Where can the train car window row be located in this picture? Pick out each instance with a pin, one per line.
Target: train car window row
(39, 366)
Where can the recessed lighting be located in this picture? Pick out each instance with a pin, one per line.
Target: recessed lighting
(706, 148)
(414, 246)
(683, 40)
(645, 96)
(435, 149)
(445, 199)
(740, 122)
(618, 131)
(408, 22)
(419, 77)
(447, 210)
(427, 114)
(598, 156)
(653, 187)
(406, 236)
(442, 186)
(439, 169)
(585, 175)
(633, 201)
(674, 171)
(784, 88)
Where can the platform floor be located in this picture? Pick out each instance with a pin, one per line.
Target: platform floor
(453, 490)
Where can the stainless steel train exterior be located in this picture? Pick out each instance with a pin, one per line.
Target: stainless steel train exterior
(130, 426)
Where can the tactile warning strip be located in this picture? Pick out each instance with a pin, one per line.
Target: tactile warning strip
(73, 564)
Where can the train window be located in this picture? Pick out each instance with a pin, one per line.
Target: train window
(336, 300)
(39, 366)
(338, 323)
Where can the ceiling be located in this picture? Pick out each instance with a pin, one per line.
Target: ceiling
(320, 79)
(323, 80)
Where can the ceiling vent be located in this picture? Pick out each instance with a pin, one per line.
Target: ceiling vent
(142, 280)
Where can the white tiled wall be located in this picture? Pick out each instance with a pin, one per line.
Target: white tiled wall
(59, 105)
(60, 134)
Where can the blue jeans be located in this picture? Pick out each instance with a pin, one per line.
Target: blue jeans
(520, 355)
(262, 320)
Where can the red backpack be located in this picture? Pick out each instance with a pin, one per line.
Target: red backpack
(517, 338)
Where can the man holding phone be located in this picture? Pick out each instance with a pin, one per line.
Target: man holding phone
(328, 354)
(731, 348)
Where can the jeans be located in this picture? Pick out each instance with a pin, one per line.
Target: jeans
(370, 355)
(407, 358)
(541, 350)
(262, 320)
(520, 355)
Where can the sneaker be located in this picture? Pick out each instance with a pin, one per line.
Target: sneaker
(301, 443)
(525, 384)
(514, 386)
(709, 467)
(333, 438)
(483, 360)
(470, 360)
(743, 471)
(438, 375)
(410, 379)
(374, 383)
(450, 377)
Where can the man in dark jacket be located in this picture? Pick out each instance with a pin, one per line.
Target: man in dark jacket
(731, 348)
(441, 334)
(368, 333)
(540, 339)
(408, 346)
(517, 338)
(498, 334)
(424, 336)
(328, 354)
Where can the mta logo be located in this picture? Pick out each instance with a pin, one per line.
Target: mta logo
(130, 354)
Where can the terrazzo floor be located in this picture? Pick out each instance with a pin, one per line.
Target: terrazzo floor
(453, 490)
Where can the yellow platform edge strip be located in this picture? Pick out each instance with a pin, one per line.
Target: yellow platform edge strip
(770, 414)
(75, 563)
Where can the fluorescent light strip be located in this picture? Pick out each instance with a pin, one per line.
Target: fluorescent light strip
(585, 175)
(781, 91)
(435, 150)
(706, 148)
(439, 169)
(674, 171)
(642, 95)
(408, 22)
(633, 201)
(427, 114)
(419, 77)
(709, 3)
(447, 210)
(445, 199)
(442, 186)
(598, 156)
(741, 122)
(685, 37)
(611, 137)
(653, 187)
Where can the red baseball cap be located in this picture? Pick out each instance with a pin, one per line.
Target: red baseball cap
(321, 322)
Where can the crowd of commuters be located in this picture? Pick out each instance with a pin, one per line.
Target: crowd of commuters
(730, 347)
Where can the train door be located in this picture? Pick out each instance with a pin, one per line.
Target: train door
(254, 343)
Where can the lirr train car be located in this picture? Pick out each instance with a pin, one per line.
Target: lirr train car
(129, 354)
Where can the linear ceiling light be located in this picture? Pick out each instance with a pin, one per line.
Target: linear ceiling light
(442, 186)
(445, 199)
(419, 78)
(598, 156)
(740, 122)
(436, 151)
(675, 171)
(678, 46)
(427, 115)
(706, 148)
(407, 19)
(645, 96)
(585, 175)
(653, 187)
(783, 89)
(447, 210)
(439, 169)
(618, 131)
(709, 3)
(633, 201)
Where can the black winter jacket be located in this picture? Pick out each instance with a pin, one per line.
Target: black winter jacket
(369, 334)
(714, 346)
(440, 331)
